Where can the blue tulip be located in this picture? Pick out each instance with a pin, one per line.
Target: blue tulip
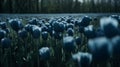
(85, 21)
(69, 43)
(36, 32)
(52, 21)
(22, 33)
(70, 25)
(3, 25)
(44, 53)
(89, 32)
(70, 32)
(58, 27)
(109, 26)
(2, 34)
(33, 21)
(44, 28)
(50, 29)
(78, 40)
(68, 20)
(95, 18)
(62, 26)
(6, 42)
(44, 35)
(76, 23)
(28, 27)
(100, 48)
(16, 24)
(83, 59)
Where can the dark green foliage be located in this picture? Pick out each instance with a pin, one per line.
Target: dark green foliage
(59, 6)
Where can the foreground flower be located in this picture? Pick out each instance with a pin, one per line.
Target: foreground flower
(36, 32)
(44, 35)
(83, 59)
(6, 42)
(44, 53)
(109, 27)
(69, 43)
(100, 49)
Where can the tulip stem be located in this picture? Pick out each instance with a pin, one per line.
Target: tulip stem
(37, 48)
(48, 64)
